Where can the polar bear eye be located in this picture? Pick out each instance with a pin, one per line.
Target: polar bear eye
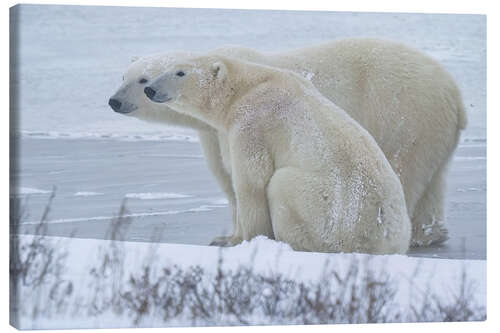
(143, 80)
(180, 73)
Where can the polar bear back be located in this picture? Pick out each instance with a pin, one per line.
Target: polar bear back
(402, 97)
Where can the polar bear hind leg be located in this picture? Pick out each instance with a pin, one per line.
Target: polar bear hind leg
(296, 201)
(429, 215)
(286, 213)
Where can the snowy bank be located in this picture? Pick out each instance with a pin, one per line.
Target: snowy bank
(119, 284)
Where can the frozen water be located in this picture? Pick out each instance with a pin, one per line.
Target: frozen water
(156, 196)
(71, 58)
(221, 201)
(115, 168)
(86, 194)
(20, 191)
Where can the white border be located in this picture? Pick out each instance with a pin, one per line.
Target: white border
(421, 6)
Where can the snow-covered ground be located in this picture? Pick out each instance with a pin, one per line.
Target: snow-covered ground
(411, 278)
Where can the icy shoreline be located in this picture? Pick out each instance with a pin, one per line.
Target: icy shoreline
(147, 173)
(183, 135)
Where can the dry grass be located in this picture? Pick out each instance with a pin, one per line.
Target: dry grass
(239, 297)
(36, 266)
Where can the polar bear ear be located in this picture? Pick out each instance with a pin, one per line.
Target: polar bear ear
(219, 70)
(134, 59)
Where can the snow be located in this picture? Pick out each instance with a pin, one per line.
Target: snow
(308, 75)
(188, 136)
(156, 196)
(266, 257)
(202, 208)
(220, 201)
(267, 292)
(86, 194)
(28, 190)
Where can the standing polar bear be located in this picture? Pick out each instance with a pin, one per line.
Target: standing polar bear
(405, 100)
(303, 171)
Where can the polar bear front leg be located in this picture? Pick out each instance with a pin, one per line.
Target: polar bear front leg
(252, 169)
(209, 140)
(253, 213)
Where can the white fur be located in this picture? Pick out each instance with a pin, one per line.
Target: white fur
(404, 99)
(303, 171)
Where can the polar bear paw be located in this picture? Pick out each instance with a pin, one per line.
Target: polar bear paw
(225, 241)
(433, 233)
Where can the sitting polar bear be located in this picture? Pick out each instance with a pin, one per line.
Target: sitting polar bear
(303, 171)
(405, 100)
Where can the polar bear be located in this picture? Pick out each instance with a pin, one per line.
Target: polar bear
(405, 100)
(304, 172)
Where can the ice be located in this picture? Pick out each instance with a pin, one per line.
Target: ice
(86, 194)
(79, 62)
(28, 190)
(137, 216)
(176, 135)
(221, 201)
(156, 196)
(470, 158)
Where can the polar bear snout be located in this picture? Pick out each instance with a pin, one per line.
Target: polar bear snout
(152, 94)
(115, 104)
(121, 106)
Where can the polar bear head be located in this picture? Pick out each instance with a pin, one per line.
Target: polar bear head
(198, 87)
(130, 100)
(129, 97)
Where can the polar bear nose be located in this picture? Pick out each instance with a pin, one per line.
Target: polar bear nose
(115, 104)
(150, 92)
